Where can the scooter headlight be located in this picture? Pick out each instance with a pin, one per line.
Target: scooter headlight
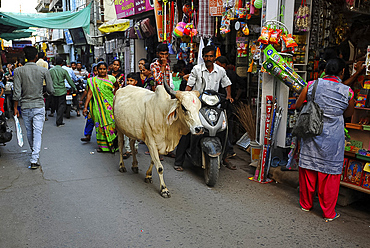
(210, 100)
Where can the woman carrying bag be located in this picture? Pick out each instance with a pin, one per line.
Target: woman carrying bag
(321, 157)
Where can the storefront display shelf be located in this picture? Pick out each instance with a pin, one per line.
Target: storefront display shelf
(354, 126)
(355, 187)
(363, 157)
(350, 154)
(363, 108)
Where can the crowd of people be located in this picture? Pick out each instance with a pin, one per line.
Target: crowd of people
(101, 85)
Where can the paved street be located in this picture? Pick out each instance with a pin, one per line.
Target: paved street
(79, 199)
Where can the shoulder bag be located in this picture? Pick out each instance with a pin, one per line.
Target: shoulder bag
(310, 121)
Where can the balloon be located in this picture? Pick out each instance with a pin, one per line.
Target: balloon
(258, 4)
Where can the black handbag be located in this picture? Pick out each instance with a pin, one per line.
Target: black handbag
(310, 121)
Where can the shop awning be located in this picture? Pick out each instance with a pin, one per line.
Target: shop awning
(10, 22)
(114, 26)
(18, 34)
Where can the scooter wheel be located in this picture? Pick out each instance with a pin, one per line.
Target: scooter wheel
(212, 169)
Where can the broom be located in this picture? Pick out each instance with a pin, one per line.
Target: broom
(247, 119)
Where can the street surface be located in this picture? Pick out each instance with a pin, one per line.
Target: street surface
(79, 199)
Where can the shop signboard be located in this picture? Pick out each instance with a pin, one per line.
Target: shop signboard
(21, 43)
(216, 7)
(143, 6)
(124, 8)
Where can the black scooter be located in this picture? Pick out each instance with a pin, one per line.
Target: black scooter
(207, 150)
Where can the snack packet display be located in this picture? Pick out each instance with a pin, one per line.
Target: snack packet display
(274, 36)
(278, 67)
(289, 41)
(265, 36)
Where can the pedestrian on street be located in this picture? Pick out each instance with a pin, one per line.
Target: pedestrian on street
(161, 68)
(74, 78)
(41, 62)
(101, 90)
(321, 157)
(28, 88)
(89, 126)
(58, 74)
(117, 73)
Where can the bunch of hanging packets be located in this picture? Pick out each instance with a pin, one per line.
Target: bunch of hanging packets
(277, 66)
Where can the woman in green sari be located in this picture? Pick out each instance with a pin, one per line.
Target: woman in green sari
(100, 101)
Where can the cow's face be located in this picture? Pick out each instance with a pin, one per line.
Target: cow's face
(189, 110)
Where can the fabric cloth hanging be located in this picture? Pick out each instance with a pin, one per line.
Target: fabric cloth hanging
(206, 23)
(201, 46)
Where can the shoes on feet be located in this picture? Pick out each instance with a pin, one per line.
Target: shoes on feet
(86, 139)
(178, 167)
(126, 155)
(331, 219)
(306, 210)
(61, 125)
(78, 114)
(33, 166)
(231, 155)
(171, 155)
(51, 115)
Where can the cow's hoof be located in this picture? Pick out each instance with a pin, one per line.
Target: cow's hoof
(165, 194)
(122, 169)
(135, 169)
(148, 180)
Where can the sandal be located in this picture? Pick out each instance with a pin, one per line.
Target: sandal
(178, 167)
(331, 219)
(171, 155)
(99, 150)
(126, 155)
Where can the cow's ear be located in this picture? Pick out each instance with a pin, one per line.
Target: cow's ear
(172, 114)
(196, 93)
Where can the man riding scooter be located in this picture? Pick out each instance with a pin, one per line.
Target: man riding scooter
(203, 77)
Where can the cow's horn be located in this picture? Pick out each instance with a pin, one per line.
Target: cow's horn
(170, 91)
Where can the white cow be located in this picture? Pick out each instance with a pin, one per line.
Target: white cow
(156, 119)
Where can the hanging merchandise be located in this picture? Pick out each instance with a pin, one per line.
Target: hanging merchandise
(179, 30)
(302, 18)
(289, 41)
(258, 4)
(201, 46)
(278, 67)
(206, 23)
(265, 36)
(242, 45)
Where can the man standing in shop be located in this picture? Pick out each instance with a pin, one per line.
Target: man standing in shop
(58, 74)
(214, 77)
(28, 87)
(160, 67)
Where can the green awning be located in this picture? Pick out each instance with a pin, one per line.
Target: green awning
(62, 20)
(15, 35)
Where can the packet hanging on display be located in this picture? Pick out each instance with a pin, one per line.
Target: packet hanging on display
(265, 36)
(278, 67)
(289, 41)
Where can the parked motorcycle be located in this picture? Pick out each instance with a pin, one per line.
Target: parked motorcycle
(5, 134)
(207, 150)
(72, 97)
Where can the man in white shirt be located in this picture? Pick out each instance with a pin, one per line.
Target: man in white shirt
(79, 71)
(213, 74)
